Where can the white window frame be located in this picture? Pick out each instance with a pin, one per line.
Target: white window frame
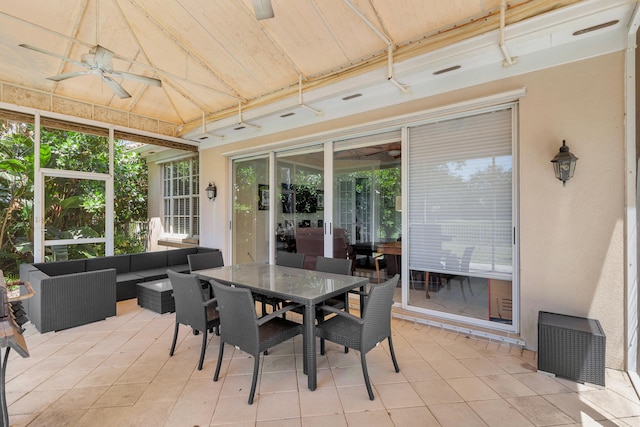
(39, 242)
(192, 198)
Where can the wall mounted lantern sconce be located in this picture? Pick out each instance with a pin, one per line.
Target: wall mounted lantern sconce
(212, 191)
(564, 164)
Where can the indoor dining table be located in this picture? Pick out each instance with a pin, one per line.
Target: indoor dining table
(306, 287)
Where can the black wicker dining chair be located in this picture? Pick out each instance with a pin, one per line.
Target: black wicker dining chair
(341, 302)
(205, 260)
(192, 309)
(284, 259)
(241, 327)
(202, 261)
(290, 259)
(363, 333)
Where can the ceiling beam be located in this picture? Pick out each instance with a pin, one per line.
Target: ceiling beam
(429, 42)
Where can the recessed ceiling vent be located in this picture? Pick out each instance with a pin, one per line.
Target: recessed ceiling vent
(595, 28)
(202, 138)
(355, 95)
(447, 70)
(287, 115)
(239, 128)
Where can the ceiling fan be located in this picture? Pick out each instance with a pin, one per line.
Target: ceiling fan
(98, 62)
(394, 150)
(263, 9)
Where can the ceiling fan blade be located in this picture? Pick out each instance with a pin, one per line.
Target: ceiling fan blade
(137, 77)
(115, 86)
(55, 55)
(263, 9)
(103, 55)
(65, 76)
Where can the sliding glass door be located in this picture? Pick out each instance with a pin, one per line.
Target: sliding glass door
(367, 190)
(250, 216)
(432, 202)
(299, 209)
(461, 229)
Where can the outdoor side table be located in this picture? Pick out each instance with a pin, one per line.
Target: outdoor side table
(571, 347)
(156, 296)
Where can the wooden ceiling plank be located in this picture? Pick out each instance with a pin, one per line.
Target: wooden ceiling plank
(436, 41)
(175, 38)
(316, 39)
(76, 26)
(250, 67)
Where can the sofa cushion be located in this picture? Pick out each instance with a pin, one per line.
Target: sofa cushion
(119, 262)
(202, 249)
(148, 261)
(58, 268)
(126, 285)
(182, 268)
(153, 274)
(179, 256)
(129, 278)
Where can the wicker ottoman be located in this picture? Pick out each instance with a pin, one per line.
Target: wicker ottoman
(571, 347)
(156, 296)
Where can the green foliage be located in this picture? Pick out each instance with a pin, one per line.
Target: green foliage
(73, 208)
(386, 185)
(126, 244)
(244, 183)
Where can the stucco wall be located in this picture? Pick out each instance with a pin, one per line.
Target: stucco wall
(214, 218)
(571, 238)
(154, 207)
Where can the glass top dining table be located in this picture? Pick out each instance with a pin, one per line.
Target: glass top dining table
(306, 287)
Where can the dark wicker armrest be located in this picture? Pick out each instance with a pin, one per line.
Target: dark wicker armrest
(342, 313)
(209, 302)
(271, 316)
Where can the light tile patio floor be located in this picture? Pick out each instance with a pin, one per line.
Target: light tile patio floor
(118, 372)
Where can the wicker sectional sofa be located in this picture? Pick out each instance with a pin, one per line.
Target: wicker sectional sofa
(76, 292)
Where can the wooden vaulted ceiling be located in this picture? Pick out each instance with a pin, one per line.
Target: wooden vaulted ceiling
(213, 57)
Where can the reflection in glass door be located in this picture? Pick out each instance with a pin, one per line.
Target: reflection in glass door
(299, 210)
(367, 189)
(250, 216)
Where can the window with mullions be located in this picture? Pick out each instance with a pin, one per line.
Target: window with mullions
(181, 208)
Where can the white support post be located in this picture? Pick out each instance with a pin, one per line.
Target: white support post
(110, 199)
(631, 200)
(38, 196)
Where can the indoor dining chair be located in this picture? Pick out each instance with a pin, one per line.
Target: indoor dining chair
(366, 332)
(241, 327)
(460, 264)
(192, 309)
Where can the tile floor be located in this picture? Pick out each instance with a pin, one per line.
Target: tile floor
(118, 372)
